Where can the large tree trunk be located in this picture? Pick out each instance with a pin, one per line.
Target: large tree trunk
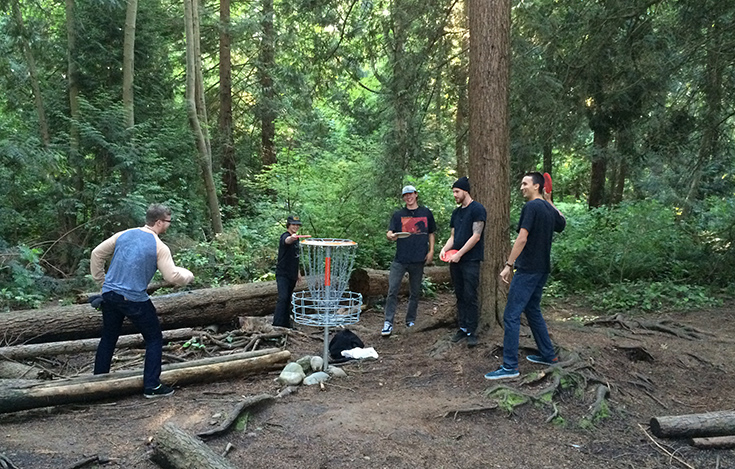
(88, 388)
(195, 112)
(694, 425)
(129, 62)
(73, 83)
(460, 81)
(490, 141)
(33, 74)
(599, 168)
(229, 166)
(711, 120)
(174, 448)
(268, 95)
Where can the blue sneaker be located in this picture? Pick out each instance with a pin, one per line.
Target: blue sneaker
(387, 329)
(541, 360)
(502, 373)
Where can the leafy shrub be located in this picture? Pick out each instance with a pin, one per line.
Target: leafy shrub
(20, 276)
(651, 297)
(636, 241)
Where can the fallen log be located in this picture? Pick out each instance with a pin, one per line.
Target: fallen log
(715, 442)
(14, 370)
(720, 423)
(20, 352)
(175, 448)
(372, 283)
(194, 308)
(222, 305)
(95, 387)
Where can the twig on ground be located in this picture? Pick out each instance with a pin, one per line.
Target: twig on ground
(668, 453)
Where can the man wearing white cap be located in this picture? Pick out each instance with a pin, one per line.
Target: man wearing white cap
(412, 227)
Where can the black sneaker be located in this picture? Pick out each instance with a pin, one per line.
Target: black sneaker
(159, 391)
(471, 340)
(460, 335)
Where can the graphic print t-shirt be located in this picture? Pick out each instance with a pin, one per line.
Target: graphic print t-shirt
(419, 222)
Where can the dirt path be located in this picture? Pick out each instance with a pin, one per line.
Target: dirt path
(389, 413)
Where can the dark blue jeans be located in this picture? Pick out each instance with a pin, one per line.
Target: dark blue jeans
(466, 280)
(282, 314)
(415, 274)
(524, 295)
(115, 309)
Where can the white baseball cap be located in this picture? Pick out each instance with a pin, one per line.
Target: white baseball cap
(408, 190)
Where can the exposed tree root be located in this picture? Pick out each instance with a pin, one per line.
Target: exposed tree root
(571, 376)
(665, 326)
(6, 463)
(235, 414)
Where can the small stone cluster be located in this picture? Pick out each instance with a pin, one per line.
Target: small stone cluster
(296, 372)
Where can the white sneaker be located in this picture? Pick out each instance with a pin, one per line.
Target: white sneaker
(387, 329)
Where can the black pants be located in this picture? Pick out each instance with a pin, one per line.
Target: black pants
(282, 314)
(466, 280)
(143, 316)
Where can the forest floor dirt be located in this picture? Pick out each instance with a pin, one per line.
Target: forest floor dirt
(399, 411)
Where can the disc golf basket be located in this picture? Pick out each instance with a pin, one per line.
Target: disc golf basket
(327, 302)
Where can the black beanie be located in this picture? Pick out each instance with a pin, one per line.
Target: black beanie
(462, 183)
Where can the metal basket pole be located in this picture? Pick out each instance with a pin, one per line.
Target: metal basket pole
(328, 264)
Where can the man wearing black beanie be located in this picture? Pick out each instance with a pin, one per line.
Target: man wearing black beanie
(468, 239)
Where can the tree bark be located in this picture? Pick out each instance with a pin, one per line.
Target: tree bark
(178, 449)
(694, 425)
(229, 165)
(20, 352)
(88, 388)
(489, 158)
(129, 63)
(194, 111)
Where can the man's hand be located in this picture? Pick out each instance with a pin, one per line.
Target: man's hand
(455, 258)
(506, 274)
(391, 236)
(429, 258)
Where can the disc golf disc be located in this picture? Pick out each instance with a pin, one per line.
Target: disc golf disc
(302, 236)
(402, 234)
(448, 254)
(547, 183)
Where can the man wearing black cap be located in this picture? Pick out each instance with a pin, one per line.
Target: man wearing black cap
(468, 238)
(412, 252)
(287, 271)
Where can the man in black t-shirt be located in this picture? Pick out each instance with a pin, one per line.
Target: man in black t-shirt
(468, 238)
(287, 271)
(531, 255)
(412, 253)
